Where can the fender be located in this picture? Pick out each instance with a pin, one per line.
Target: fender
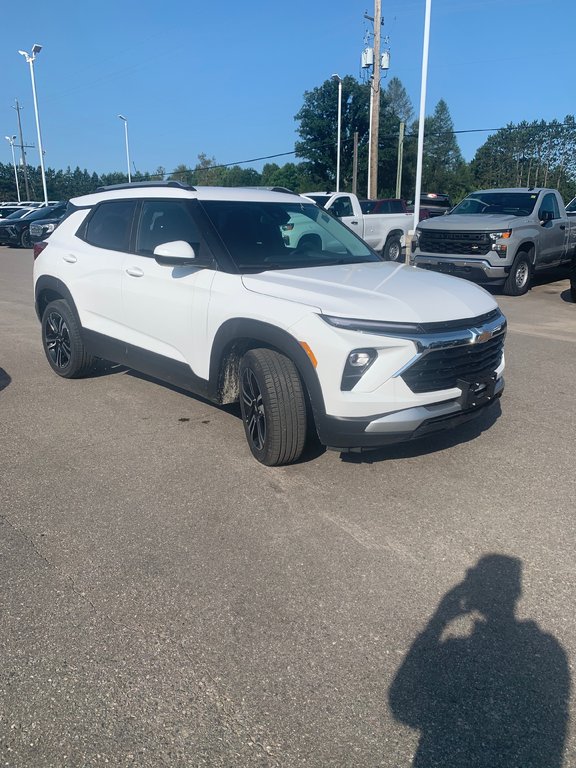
(55, 289)
(248, 334)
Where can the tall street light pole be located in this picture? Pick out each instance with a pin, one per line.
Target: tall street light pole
(12, 139)
(339, 80)
(422, 118)
(30, 58)
(127, 146)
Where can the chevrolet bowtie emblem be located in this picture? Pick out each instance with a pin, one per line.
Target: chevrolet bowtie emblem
(480, 337)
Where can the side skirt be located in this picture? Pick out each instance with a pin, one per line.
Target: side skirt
(142, 360)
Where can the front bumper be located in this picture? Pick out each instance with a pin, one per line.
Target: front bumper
(478, 270)
(349, 434)
(9, 237)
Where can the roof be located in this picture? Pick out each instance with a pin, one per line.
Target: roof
(177, 191)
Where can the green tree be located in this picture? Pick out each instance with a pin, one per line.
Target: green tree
(443, 167)
(318, 130)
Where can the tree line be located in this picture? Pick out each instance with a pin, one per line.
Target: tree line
(537, 153)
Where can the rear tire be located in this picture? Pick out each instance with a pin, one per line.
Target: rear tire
(62, 342)
(392, 250)
(273, 407)
(518, 280)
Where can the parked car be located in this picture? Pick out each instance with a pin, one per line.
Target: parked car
(198, 288)
(40, 229)
(7, 210)
(571, 207)
(385, 233)
(499, 237)
(17, 231)
(435, 204)
(385, 205)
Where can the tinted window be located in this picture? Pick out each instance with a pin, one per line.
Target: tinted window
(342, 206)
(163, 221)
(110, 224)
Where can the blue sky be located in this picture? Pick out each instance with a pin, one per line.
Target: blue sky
(226, 78)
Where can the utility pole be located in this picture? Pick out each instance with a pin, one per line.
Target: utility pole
(400, 160)
(22, 151)
(375, 104)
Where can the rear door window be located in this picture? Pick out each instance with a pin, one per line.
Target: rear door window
(110, 225)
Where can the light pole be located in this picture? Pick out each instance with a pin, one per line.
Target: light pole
(127, 147)
(30, 57)
(339, 80)
(12, 139)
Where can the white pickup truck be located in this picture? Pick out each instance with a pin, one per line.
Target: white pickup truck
(384, 232)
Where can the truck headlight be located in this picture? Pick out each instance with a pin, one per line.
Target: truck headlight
(500, 248)
(415, 239)
(504, 234)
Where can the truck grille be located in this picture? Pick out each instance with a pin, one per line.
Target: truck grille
(441, 368)
(454, 243)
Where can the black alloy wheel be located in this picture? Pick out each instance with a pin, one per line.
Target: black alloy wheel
(273, 407)
(62, 342)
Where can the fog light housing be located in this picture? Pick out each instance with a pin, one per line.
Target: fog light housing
(358, 362)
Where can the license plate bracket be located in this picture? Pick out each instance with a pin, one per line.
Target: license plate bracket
(477, 391)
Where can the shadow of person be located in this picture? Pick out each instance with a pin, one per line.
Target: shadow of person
(483, 688)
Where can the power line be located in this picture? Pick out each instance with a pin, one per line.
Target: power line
(388, 136)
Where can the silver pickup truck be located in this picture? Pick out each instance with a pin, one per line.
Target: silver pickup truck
(499, 237)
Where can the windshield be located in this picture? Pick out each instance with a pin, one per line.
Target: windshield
(506, 203)
(571, 207)
(262, 236)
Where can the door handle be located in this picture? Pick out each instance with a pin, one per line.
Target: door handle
(70, 258)
(134, 271)
(562, 226)
(354, 222)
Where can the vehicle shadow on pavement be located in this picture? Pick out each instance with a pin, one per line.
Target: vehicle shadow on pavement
(431, 444)
(5, 379)
(567, 296)
(483, 688)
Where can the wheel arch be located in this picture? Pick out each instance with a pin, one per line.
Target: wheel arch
(236, 337)
(49, 288)
(528, 247)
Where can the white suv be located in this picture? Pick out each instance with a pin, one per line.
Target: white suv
(198, 287)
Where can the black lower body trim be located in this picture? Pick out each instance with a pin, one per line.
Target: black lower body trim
(150, 363)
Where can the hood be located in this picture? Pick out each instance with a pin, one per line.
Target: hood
(376, 291)
(480, 222)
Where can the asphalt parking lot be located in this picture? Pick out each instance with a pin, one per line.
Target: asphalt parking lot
(167, 601)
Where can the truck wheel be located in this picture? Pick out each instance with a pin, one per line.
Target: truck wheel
(392, 250)
(63, 343)
(273, 407)
(518, 280)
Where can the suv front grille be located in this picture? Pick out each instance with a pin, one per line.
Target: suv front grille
(454, 243)
(441, 368)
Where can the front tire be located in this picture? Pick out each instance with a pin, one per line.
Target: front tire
(273, 407)
(392, 250)
(62, 342)
(518, 281)
(25, 239)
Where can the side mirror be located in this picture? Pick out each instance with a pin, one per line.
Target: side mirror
(176, 253)
(546, 216)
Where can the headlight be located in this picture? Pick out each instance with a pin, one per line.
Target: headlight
(49, 228)
(373, 326)
(416, 238)
(502, 235)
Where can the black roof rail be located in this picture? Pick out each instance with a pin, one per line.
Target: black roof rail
(140, 184)
(285, 190)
